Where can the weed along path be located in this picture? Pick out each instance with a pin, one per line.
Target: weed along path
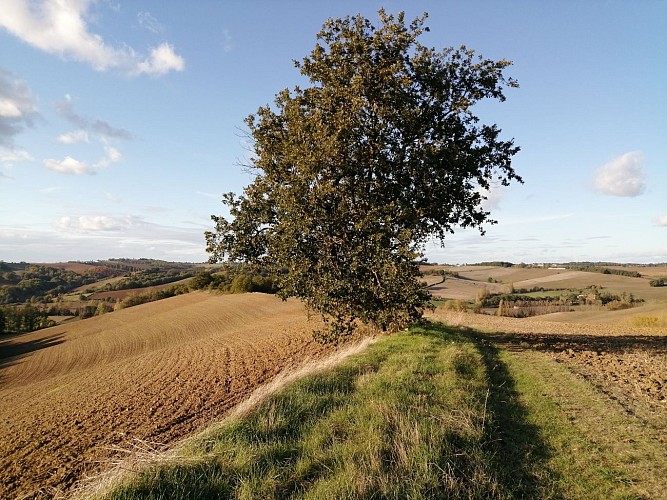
(73, 397)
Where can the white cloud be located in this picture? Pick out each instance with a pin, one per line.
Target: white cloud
(73, 137)
(11, 156)
(60, 27)
(112, 156)
(662, 221)
(622, 176)
(492, 196)
(162, 60)
(112, 153)
(18, 108)
(95, 223)
(72, 166)
(69, 166)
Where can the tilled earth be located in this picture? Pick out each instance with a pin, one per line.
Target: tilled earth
(75, 398)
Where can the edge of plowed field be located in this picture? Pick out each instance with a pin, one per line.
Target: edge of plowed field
(77, 396)
(145, 454)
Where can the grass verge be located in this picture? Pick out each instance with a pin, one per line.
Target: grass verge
(436, 412)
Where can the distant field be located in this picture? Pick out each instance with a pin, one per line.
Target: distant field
(75, 267)
(75, 395)
(473, 278)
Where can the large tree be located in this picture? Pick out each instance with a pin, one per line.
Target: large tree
(356, 172)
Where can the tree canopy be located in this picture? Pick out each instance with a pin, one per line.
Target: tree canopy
(356, 172)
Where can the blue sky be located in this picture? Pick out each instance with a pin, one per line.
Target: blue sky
(121, 122)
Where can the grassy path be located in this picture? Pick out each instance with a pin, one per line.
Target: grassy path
(437, 412)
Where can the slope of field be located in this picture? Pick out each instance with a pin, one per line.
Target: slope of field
(464, 289)
(74, 396)
(498, 280)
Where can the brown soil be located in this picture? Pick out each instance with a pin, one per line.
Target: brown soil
(73, 397)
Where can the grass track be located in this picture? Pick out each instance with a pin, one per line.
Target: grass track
(438, 412)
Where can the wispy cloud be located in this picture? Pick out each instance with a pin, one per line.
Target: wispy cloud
(538, 219)
(148, 22)
(111, 197)
(11, 156)
(77, 239)
(227, 41)
(215, 196)
(65, 109)
(60, 27)
(50, 190)
(662, 221)
(622, 176)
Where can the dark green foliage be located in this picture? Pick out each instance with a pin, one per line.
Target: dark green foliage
(232, 280)
(143, 298)
(40, 281)
(598, 268)
(45, 282)
(23, 319)
(496, 263)
(151, 277)
(658, 282)
(357, 171)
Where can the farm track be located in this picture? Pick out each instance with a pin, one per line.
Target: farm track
(626, 364)
(75, 397)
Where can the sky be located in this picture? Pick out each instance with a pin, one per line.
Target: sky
(122, 122)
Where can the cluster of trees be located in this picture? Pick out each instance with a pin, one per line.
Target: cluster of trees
(150, 277)
(496, 263)
(135, 265)
(592, 296)
(591, 268)
(143, 298)
(658, 282)
(528, 308)
(234, 281)
(23, 319)
(40, 281)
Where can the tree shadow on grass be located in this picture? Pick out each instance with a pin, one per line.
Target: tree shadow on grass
(517, 452)
(546, 342)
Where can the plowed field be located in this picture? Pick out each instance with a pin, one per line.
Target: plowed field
(72, 396)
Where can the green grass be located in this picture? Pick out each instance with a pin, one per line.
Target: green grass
(435, 412)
